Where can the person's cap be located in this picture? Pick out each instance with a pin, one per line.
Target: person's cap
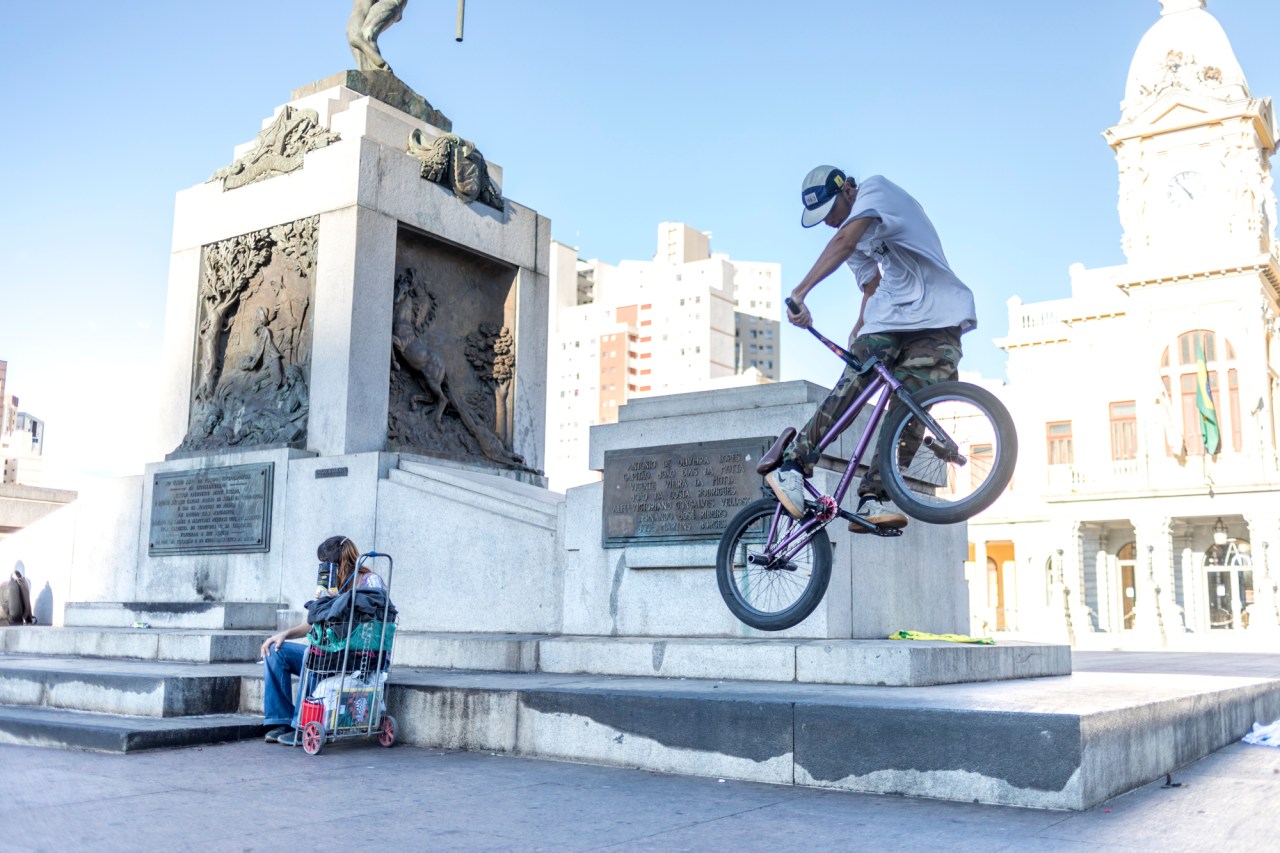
(818, 192)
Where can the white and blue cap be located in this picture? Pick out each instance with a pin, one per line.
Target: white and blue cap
(818, 192)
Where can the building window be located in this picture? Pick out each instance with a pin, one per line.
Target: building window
(981, 457)
(1124, 430)
(1191, 437)
(1233, 392)
(1187, 346)
(1058, 435)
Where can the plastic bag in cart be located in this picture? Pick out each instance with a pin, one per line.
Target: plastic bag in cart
(351, 695)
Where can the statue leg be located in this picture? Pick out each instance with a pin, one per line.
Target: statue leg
(365, 51)
(383, 14)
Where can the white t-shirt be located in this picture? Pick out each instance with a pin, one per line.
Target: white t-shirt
(917, 288)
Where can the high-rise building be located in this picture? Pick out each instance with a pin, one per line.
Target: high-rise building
(21, 439)
(1146, 495)
(688, 320)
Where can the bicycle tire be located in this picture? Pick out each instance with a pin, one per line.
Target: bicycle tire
(975, 419)
(750, 527)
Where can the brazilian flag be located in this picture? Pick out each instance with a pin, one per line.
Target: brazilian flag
(1204, 402)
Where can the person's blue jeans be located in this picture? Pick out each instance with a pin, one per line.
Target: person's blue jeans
(280, 702)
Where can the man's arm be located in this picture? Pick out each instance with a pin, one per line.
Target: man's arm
(867, 293)
(839, 250)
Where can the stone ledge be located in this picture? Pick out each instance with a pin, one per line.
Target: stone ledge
(114, 733)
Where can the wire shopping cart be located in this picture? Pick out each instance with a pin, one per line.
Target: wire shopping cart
(346, 667)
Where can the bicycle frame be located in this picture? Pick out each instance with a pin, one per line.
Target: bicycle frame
(829, 508)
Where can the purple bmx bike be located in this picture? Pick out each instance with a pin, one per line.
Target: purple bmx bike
(946, 453)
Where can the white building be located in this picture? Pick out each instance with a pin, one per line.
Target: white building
(1118, 520)
(688, 320)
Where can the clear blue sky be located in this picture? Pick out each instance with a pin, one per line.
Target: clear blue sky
(608, 117)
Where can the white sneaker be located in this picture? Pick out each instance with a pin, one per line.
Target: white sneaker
(788, 487)
(879, 513)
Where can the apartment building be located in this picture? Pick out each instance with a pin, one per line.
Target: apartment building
(687, 320)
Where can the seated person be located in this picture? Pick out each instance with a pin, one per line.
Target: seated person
(15, 597)
(282, 660)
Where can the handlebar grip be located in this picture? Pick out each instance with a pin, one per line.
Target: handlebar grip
(792, 307)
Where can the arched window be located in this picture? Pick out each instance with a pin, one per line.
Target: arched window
(1182, 380)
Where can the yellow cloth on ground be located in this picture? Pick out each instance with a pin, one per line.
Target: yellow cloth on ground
(950, 638)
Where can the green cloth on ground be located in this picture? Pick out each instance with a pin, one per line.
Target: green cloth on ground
(950, 638)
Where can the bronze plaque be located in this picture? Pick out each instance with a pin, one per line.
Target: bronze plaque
(679, 492)
(212, 511)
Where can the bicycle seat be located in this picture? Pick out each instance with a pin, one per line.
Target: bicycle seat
(772, 457)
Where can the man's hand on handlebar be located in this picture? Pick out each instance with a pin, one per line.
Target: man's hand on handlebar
(798, 313)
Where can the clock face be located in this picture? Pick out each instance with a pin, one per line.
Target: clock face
(1185, 189)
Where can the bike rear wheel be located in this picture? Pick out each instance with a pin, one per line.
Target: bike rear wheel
(771, 595)
(914, 455)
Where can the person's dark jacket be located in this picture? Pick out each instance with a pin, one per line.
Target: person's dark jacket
(369, 604)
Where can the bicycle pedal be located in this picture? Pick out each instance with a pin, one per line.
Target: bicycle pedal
(888, 531)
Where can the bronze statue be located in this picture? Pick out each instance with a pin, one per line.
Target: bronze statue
(369, 19)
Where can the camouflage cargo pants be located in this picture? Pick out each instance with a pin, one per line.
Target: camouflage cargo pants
(916, 359)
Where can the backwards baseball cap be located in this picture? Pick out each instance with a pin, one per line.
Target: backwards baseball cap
(818, 192)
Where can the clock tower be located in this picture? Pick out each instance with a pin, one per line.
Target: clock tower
(1193, 146)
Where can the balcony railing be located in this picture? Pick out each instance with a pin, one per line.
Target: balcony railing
(1131, 475)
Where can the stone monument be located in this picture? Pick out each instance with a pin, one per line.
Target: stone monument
(350, 297)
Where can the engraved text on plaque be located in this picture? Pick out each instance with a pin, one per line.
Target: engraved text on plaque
(678, 493)
(212, 511)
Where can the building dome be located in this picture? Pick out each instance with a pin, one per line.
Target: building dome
(1186, 49)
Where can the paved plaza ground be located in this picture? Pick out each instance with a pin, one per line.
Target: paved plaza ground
(255, 796)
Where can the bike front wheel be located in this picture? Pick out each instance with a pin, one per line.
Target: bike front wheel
(951, 469)
(766, 586)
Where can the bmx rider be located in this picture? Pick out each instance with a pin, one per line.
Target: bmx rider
(914, 310)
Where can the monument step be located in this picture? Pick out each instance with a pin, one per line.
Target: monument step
(245, 615)
(136, 688)
(892, 663)
(1067, 742)
(514, 500)
(51, 727)
(167, 644)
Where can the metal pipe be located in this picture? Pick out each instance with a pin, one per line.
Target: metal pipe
(462, 11)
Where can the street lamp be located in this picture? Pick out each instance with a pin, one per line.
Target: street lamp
(1219, 532)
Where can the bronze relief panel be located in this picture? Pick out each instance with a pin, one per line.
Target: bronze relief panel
(452, 354)
(253, 340)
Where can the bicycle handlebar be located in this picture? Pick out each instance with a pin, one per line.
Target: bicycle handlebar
(793, 308)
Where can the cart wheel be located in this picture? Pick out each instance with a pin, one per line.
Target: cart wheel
(387, 732)
(312, 738)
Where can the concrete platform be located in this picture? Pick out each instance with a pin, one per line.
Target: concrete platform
(1065, 742)
(209, 615)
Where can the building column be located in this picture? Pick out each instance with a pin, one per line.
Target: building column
(984, 615)
(1264, 537)
(1192, 588)
(1090, 539)
(1103, 570)
(1068, 614)
(1156, 613)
